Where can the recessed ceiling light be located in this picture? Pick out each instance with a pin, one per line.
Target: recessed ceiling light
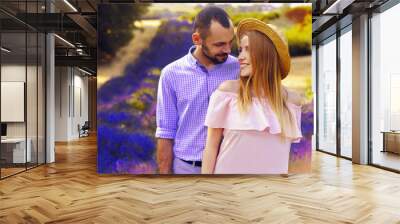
(5, 50)
(337, 7)
(84, 71)
(70, 5)
(64, 40)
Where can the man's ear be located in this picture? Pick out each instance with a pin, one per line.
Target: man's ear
(196, 38)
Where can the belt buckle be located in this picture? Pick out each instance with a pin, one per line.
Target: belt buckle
(193, 163)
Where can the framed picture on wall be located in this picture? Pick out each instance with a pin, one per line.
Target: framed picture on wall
(160, 70)
(12, 101)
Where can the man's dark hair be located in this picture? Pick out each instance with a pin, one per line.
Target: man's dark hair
(203, 20)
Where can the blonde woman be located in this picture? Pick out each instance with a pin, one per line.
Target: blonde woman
(253, 121)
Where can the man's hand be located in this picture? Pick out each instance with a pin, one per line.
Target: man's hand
(164, 155)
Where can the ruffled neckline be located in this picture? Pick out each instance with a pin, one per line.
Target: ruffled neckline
(233, 94)
(223, 112)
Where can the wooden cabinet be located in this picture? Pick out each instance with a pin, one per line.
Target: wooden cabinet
(391, 142)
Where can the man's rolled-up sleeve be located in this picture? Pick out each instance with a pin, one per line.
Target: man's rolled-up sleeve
(167, 114)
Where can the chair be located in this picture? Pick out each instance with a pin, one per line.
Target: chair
(84, 130)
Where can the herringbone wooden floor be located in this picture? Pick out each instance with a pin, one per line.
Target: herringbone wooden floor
(70, 191)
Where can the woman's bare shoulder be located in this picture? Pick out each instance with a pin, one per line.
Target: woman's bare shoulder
(229, 86)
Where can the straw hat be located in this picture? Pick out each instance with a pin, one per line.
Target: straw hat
(280, 45)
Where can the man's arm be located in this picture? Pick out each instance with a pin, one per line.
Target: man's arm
(167, 122)
(164, 155)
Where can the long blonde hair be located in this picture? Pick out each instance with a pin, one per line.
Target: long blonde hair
(265, 81)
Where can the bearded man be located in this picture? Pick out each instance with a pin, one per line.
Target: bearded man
(185, 88)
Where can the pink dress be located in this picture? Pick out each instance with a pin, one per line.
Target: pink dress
(251, 142)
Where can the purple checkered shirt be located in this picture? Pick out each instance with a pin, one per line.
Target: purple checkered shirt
(184, 92)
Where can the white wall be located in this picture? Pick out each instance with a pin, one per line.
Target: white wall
(15, 73)
(80, 111)
(34, 124)
(10, 73)
(61, 103)
(71, 94)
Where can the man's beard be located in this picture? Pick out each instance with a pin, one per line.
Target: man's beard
(214, 59)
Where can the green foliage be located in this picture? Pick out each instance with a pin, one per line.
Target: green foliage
(155, 71)
(236, 16)
(116, 23)
(309, 93)
(266, 17)
(189, 16)
(294, 22)
(298, 14)
(137, 101)
(299, 37)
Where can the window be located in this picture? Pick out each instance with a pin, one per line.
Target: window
(327, 96)
(385, 89)
(346, 75)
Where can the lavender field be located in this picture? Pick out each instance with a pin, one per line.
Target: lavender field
(127, 105)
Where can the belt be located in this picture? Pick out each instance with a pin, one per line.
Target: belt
(193, 163)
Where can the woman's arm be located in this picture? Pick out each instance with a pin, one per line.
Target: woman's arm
(214, 137)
